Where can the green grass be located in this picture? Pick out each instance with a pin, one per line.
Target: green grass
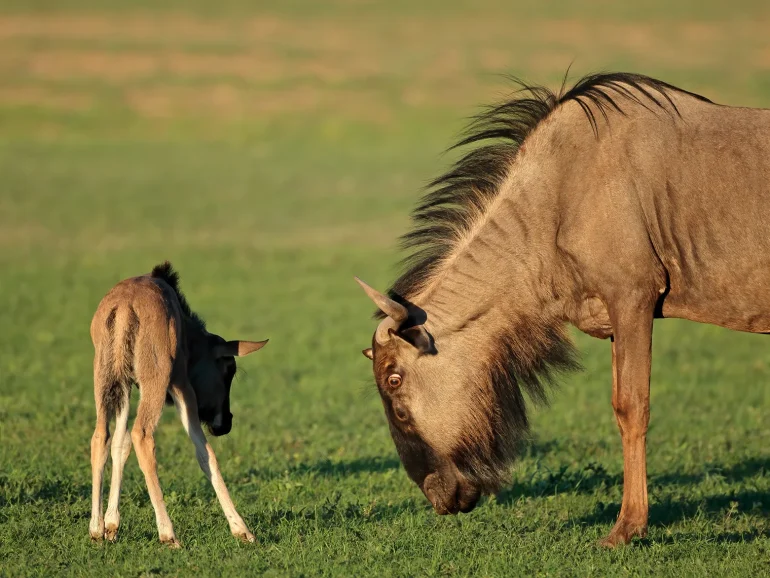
(269, 184)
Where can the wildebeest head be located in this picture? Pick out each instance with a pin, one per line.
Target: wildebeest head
(453, 394)
(211, 371)
(444, 423)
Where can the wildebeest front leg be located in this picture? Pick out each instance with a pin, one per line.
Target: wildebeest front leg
(631, 355)
(186, 404)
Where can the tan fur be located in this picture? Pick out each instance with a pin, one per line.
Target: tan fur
(664, 212)
(142, 334)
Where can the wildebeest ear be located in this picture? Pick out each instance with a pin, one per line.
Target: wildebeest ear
(238, 348)
(419, 337)
(369, 353)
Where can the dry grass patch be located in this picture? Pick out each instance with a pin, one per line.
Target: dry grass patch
(226, 101)
(22, 96)
(174, 65)
(93, 240)
(255, 67)
(109, 27)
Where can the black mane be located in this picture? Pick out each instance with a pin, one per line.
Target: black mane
(531, 352)
(166, 272)
(447, 209)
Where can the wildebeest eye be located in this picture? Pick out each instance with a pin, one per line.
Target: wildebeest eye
(394, 380)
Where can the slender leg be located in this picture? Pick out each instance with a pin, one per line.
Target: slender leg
(186, 404)
(148, 414)
(631, 357)
(99, 442)
(121, 447)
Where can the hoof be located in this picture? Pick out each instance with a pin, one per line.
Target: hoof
(96, 531)
(171, 542)
(245, 536)
(622, 534)
(111, 533)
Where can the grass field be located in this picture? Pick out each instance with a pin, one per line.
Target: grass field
(272, 153)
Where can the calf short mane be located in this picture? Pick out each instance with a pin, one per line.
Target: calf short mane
(453, 200)
(166, 272)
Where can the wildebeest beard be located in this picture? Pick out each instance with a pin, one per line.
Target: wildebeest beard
(525, 359)
(496, 424)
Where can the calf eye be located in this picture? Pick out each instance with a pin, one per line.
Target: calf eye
(394, 380)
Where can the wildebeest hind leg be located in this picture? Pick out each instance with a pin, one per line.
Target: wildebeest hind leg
(153, 386)
(99, 442)
(121, 447)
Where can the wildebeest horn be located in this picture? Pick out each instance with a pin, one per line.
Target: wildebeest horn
(392, 309)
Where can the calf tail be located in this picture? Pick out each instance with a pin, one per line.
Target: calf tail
(117, 362)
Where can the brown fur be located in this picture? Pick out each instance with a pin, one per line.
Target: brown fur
(144, 332)
(620, 200)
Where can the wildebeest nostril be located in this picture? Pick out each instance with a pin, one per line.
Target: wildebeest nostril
(468, 497)
(444, 500)
(469, 505)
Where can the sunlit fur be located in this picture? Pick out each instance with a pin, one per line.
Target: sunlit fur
(145, 333)
(512, 347)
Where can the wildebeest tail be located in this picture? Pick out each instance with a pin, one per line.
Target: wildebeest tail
(117, 363)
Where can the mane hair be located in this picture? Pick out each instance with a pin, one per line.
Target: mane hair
(528, 354)
(453, 201)
(529, 358)
(166, 272)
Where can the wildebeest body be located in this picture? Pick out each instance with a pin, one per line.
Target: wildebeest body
(678, 201)
(621, 200)
(144, 332)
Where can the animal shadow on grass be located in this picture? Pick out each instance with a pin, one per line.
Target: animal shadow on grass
(565, 479)
(57, 490)
(328, 468)
(333, 469)
(715, 507)
(334, 511)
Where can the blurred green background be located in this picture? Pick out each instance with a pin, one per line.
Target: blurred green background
(271, 151)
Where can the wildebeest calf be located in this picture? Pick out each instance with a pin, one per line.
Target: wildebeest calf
(144, 332)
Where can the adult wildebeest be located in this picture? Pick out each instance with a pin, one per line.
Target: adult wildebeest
(144, 332)
(618, 201)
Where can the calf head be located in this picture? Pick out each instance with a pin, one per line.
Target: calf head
(211, 368)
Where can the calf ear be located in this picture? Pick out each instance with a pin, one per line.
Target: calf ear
(238, 348)
(368, 353)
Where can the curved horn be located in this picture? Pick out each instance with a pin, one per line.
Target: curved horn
(381, 334)
(392, 309)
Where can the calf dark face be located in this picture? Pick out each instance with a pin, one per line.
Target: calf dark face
(212, 369)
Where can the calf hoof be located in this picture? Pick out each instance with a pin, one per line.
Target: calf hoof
(111, 533)
(623, 533)
(245, 536)
(96, 531)
(171, 542)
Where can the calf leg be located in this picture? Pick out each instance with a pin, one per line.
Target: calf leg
(99, 442)
(187, 406)
(153, 396)
(631, 356)
(121, 447)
